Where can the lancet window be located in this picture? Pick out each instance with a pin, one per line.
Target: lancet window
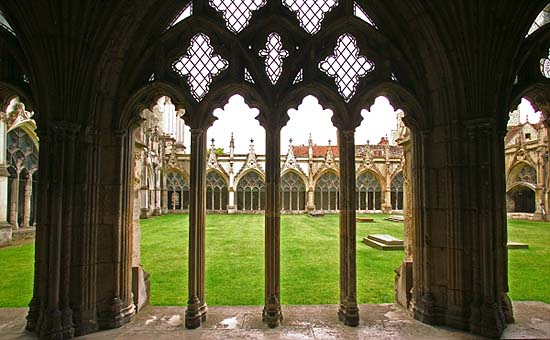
(216, 192)
(327, 192)
(369, 192)
(178, 191)
(397, 192)
(293, 192)
(251, 192)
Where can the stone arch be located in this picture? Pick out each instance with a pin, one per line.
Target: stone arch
(369, 189)
(520, 198)
(522, 172)
(327, 191)
(250, 190)
(293, 190)
(178, 191)
(217, 186)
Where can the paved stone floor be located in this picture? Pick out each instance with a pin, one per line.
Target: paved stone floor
(386, 321)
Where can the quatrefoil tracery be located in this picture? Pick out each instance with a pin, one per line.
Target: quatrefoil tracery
(274, 53)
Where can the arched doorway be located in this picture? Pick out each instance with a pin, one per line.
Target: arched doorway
(178, 191)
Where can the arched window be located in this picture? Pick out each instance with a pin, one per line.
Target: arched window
(251, 192)
(216, 192)
(369, 193)
(293, 192)
(178, 191)
(527, 174)
(327, 192)
(520, 199)
(397, 192)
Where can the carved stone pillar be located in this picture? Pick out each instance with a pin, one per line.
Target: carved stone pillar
(231, 208)
(27, 202)
(5, 227)
(348, 312)
(196, 305)
(490, 307)
(272, 314)
(14, 201)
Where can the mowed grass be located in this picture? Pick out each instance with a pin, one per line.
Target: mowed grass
(309, 261)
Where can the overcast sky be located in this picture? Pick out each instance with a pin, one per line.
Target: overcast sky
(310, 117)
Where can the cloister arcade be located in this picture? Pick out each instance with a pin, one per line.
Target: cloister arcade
(93, 70)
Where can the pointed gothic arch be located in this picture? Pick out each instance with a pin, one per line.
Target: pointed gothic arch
(327, 191)
(216, 190)
(293, 191)
(251, 191)
(396, 196)
(370, 190)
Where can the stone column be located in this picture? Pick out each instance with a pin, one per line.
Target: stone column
(14, 201)
(348, 312)
(5, 227)
(231, 208)
(27, 202)
(272, 314)
(310, 199)
(196, 305)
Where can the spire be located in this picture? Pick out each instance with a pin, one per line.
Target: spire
(212, 157)
(231, 146)
(251, 160)
(330, 157)
(310, 149)
(290, 159)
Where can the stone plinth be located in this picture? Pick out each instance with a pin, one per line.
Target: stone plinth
(403, 283)
(141, 287)
(383, 242)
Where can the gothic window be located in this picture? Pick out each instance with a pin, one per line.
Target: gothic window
(274, 53)
(310, 13)
(178, 191)
(299, 77)
(346, 66)
(5, 24)
(369, 192)
(527, 174)
(361, 14)
(200, 65)
(237, 13)
(293, 192)
(216, 192)
(22, 153)
(545, 66)
(185, 13)
(397, 192)
(248, 76)
(542, 19)
(327, 192)
(251, 192)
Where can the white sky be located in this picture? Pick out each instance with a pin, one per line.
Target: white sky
(310, 117)
(527, 112)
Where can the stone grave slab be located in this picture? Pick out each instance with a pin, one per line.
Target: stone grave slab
(517, 245)
(396, 218)
(383, 242)
(316, 213)
(364, 220)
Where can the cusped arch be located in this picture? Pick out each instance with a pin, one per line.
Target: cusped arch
(247, 172)
(146, 97)
(302, 177)
(322, 173)
(399, 97)
(377, 175)
(222, 175)
(522, 172)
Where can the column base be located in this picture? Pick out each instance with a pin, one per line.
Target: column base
(424, 311)
(272, 314)
(117, 315)
(56, 325)
(487, 320)
(349, 315)
(231, 209)
(85, 322)
(33, 315)
(195, 314)
(141, 287)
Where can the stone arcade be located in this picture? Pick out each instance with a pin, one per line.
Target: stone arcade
(89, 69)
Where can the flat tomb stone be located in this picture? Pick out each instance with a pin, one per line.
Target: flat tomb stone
(383, 242)
(316, 214)
(517, 245)
(396, 218)
(364, 220)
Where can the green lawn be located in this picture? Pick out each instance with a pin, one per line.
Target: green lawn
(309, 261)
